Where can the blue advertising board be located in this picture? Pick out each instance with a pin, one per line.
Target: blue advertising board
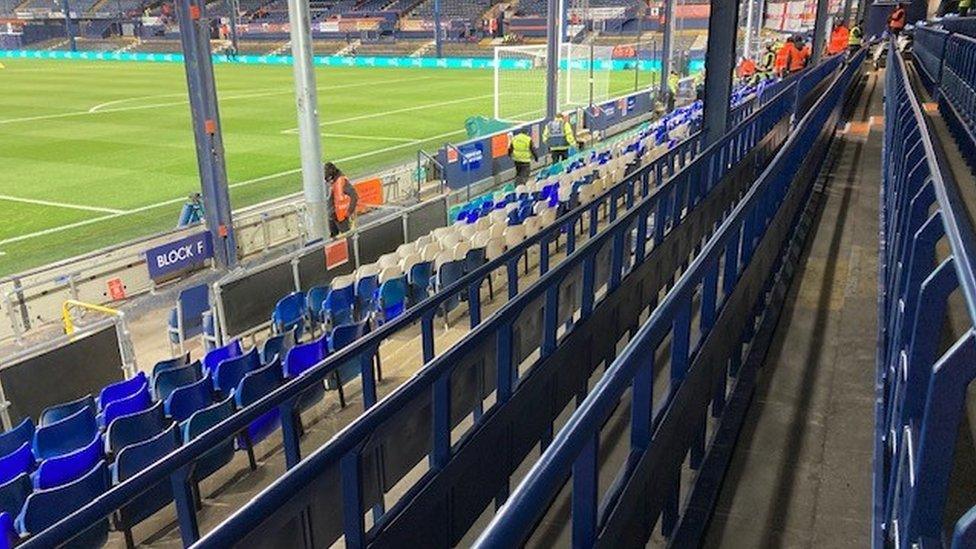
(613, 112)
(179, 256)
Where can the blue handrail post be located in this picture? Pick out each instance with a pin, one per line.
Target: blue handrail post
(289, 433)
(586, 473)
(185, 502)
(352, 500)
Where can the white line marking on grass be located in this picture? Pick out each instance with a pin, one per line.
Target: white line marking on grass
(395, 111)
(222, 98)
(369, 137)
(141, 209)
(59, 204)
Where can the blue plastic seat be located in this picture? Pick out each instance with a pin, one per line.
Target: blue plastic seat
(230, 372)
(316, 298)
(420, 277)
(186, 319)
(222, 453)
(167, 381)
(46, 507)
(252, 388)
(392, 299)
(289, 313)
(298, 360)
(14, 492)
(184, 401)
(16, 463)
(448, 274)
(16, 437)
(8, 533)
(366, 288)
(220, 354)
(137, 402)
(134, 428)
(133, 459)
(61, 470)
(277, 345)
(121, 390)
(65, 436)
(342, 337)
(339, 305)
(170, 363)
(58, 412)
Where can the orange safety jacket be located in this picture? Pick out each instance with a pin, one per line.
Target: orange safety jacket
(340, 200)
(783, 57)
(746, 68)
(896, 21)
(838, 40)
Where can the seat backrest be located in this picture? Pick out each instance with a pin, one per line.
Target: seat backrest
(220, 354)
(404, 250)
(65, 436)
(342, 336)
(289, 309)
(370, 269)
(64, 469)
(167, 381)
(45, 507)
(407, 263)
(16, 463)
(514, 235)
(58, 412)
(122, 389)
(16, 437)
(316, 297)
(449, 273)
(303, 356)
(387, 261)
(230, 372)
(134, 428)
(475, 258)
(277, 345)
(479, 240)
(194, 301)
(186, 400)
(199, 423)
(394, 291)
(138, 456)
(136, 403)
(390, 273)
(431, 251)
(14, 492)
(171, 363)
(442, 259)
(366, 285)
(460, 250)
(448, 241)
(257, 384)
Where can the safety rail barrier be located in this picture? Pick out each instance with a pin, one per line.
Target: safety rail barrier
(927, 339)
(948, 62)
(614, 200)
(527, 357)
(725, 289)
(960, 25)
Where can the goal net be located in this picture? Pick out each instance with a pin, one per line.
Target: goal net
(520, 79)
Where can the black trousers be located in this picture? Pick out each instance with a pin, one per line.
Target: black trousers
(338, 227)
(522, 172)
(559, 155)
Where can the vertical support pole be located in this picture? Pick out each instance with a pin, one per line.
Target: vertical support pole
(309, 138)
(438, 46)
(719, 60)
(746, 46)
(552, 59)
(668, 46)
(234, 11)
(69, 26)
(819, 31)
(195, 38)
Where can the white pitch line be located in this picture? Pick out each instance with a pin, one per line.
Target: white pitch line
(369, 137)
(185, 102)
(394, 111)
(59, 204)
(141, 209)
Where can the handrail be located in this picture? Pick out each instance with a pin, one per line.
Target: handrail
(69, 325)
(512, 523)
(424, 312)
(352, 436)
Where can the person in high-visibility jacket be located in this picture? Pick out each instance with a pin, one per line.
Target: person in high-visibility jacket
(559, 137)
(783, 54)
(673, 80)
(806, 52)
(523, 153)
(964, 6)
(896, 21)
(746, 69)
(767, 65)
(839, 38)
(856, 37)
(344, 199)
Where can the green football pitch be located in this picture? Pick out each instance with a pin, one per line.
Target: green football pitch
(97, 153)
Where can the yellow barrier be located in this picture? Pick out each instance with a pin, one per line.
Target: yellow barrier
(69, 325)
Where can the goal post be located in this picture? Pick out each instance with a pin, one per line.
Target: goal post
(520, 79)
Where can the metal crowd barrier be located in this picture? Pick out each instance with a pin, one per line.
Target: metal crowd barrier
(532, 355)
(948, 63)
(960, 25)
(926, 340)
(725, 288)
(678, 185)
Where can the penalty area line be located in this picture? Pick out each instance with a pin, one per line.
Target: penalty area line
(54, 204)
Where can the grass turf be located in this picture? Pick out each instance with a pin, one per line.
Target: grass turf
(97, 153)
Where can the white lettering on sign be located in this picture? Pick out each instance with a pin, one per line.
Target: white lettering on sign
(178, 255)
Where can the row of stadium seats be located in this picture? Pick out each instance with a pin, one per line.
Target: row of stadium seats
(453, 9)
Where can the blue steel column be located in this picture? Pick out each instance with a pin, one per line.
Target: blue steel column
(438, 46)
(195, 37)
(719, 60)
(667, 45)
(69, 27)
(819, 31)
(552, 59)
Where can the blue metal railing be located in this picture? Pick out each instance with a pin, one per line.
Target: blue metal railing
(960, 25)
(948, 62)
(744, 253)
(924, 368)
(621, 197)
(495, 350)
